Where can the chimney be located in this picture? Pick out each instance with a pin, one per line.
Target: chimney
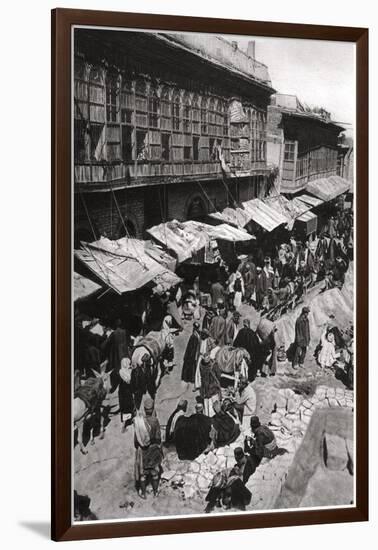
(251, 49)
(234, 45)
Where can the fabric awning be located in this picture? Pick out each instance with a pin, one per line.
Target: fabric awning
(124, 265)
(328, 189)
(307, 216)
(83, 287)
(264, 215)
(185, 239)
(308, 200)
(237, 217)
(290, 209)
(223, 232)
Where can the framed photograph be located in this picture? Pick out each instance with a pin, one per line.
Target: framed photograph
(209, 270)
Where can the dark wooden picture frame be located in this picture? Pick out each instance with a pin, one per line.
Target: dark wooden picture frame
(62, 22)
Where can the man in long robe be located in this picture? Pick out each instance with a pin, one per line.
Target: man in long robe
(217, 293)
(117, 347)
(217, 329)
(148, 454)
(248, 339)
(210, 389)
(192, 434)
(191, 355)
(232, 328)
(302, 338)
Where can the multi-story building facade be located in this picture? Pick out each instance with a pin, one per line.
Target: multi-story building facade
(165, 126)
(303, 144)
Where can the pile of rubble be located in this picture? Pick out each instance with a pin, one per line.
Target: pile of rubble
(289, 420)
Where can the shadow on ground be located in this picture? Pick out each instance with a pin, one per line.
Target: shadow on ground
(41, 528)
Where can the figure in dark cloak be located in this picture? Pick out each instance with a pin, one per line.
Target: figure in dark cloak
(191, 355)
(225, 423)
(192, 434)
(126, 393)
(174, 420)
(248, 339)
(143, 379)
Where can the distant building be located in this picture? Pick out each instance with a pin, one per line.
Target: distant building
(165, 126)
(302, 143)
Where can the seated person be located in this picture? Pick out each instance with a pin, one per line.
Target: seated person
(245, 402)
(327, 354)
(174, 419)
(192, 434)
(225, 424)
(227, 487)
(263, 444)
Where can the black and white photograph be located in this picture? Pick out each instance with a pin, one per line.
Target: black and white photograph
(213, 307)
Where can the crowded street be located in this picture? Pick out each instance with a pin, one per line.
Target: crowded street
(213, 286)
(106, 472)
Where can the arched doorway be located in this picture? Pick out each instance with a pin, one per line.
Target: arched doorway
(127, 229)
(197, 209)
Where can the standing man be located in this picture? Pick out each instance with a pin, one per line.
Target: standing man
(148, 454)
(210, 390)
(217, 329)
(217, 293)
(302, 338)
(191, 355)
(116, 348)
(260, 288)
(232, 328)
(248, 339)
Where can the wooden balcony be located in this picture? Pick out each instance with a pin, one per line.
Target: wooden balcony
(99, 175)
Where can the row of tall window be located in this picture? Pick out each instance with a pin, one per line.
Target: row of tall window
(317, 161)
(120, 120)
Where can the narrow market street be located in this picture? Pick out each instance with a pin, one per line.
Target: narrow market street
(285, 401)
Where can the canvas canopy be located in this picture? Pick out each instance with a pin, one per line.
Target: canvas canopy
(224, 231)
(185, 239)
(290, 209)
(309, 200)
(83, 287)
(328, 189)
(124, 265)
(263, 214)
(237, 217)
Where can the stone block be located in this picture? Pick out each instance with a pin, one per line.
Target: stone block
(168, 475)
(281, 401)
(276, 419)
(203, 483)
(194, 467)
(331, 392)
(293, 403)
(211, 459)
(333, 402)
(189, 492)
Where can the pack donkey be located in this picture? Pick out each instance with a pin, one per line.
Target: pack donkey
(88, 399)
